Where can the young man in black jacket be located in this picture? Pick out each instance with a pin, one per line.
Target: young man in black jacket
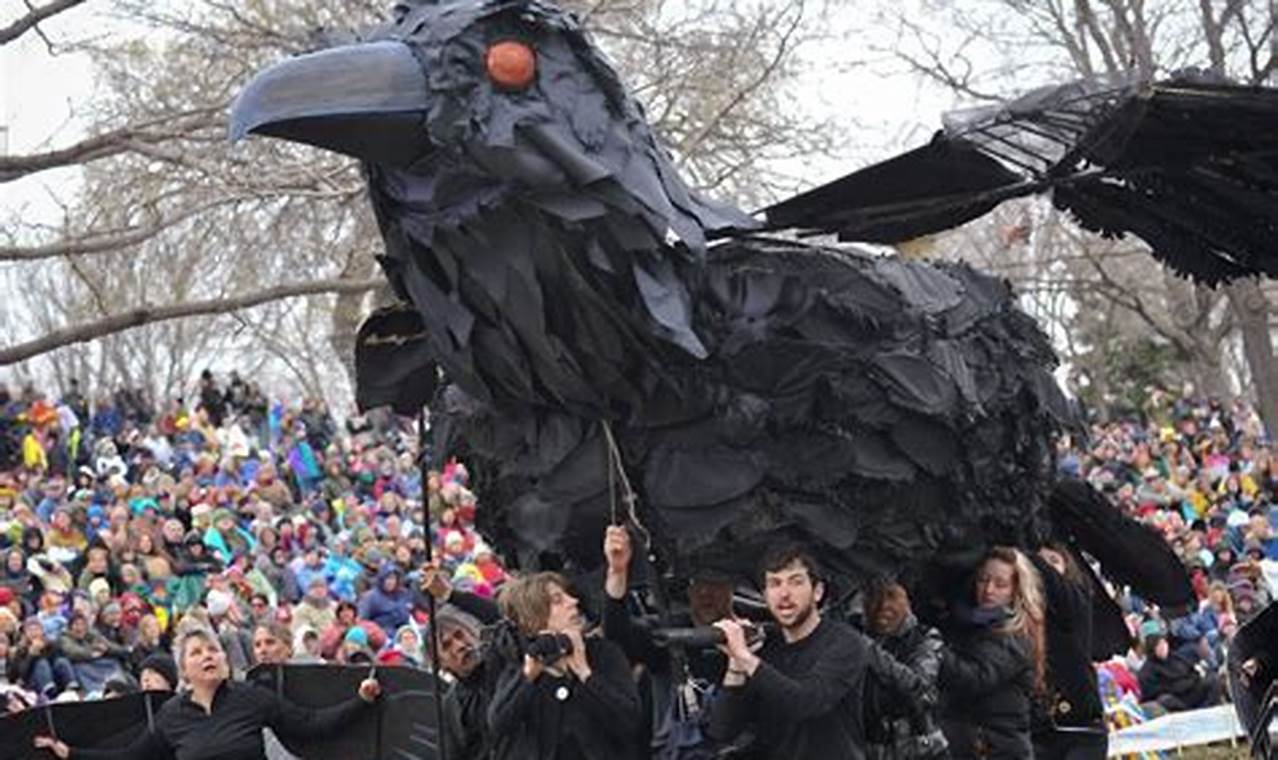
(801, 695)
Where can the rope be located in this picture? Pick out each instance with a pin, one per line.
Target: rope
(617, 467)
(687, 696)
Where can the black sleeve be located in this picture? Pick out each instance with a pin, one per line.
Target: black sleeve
(785, 699)
(1065, 601)
(456, 733)
(634, 640)
(610, 695)
(512, 701)
(729, 714)
(914, 680)
(484, 610)
(970, 674)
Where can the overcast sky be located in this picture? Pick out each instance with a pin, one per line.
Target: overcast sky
(38, 91)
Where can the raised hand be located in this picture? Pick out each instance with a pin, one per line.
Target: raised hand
(53, 745)
(435, 582)
(617, 553)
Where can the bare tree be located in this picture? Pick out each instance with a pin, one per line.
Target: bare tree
(984, 52)
(171, 228)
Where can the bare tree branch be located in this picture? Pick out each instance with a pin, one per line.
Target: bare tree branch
(112, 143)
(144, 315)
(33, 17)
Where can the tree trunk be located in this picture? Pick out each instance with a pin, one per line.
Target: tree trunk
(1251, 310)
(348, 314)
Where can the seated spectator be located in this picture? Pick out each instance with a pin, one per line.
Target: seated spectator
(330, 637)
(306, 646)
(148, 641)
(227, 620)
(94, 659)
(36, 663)
(1172, 680)
(406, 647)
(158, 672)
(355, 648)
(225, 538)
(388, 602)
(272, 644)
(316, 609)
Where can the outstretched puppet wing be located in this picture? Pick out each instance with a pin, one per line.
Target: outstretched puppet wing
(105, 724)
(1258, 639)
(402, 727)
(1189, 166)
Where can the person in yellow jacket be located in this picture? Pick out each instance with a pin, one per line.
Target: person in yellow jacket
(33, 456)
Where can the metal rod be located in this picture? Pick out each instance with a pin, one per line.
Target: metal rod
(430, 598)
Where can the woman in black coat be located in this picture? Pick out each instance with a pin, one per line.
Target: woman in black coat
(901, 694)
(995, 665)
(1071, 723)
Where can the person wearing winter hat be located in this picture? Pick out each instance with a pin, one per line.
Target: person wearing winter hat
(158, 672)
(355, 647)
(99, 591)
(1171, 680)
(408, 643)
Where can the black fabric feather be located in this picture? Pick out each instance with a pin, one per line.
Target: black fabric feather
(1130, 552)
(892, 414)
(1189, 165)
(1256, 639)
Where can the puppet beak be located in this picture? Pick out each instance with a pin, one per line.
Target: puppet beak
(368, 101)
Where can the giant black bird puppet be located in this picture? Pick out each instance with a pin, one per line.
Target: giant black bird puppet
(587, 327)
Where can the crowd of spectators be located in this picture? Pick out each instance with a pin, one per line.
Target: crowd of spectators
(1204, 473)
(121, 518)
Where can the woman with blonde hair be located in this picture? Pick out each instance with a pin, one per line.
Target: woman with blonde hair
(995, 666)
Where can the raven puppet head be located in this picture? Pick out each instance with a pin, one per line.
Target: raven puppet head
(501, 146)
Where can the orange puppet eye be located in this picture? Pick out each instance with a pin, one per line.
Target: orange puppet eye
(511, 65)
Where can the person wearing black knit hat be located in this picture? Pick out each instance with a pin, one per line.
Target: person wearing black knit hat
(158, 673)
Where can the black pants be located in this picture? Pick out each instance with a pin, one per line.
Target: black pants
(1071, 745)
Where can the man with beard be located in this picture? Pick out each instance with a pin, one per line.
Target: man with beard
(801, 695)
